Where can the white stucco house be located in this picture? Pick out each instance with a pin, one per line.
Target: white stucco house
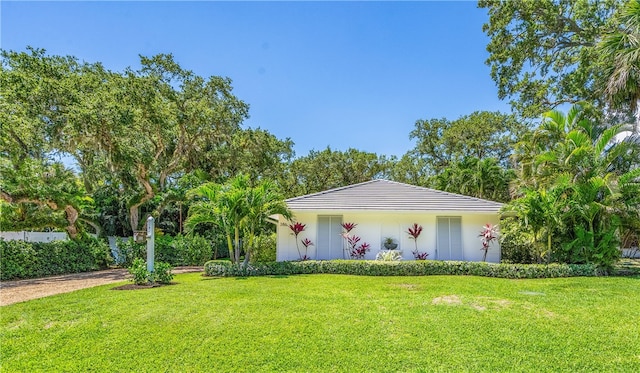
(381, 208)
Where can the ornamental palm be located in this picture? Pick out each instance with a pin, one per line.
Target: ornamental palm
(262, 201)
(620, 51)
(223, 205)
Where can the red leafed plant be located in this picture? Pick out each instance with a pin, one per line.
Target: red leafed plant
(353, 241)
(306, 243)
(419, 255)
(414, 232)
(348, 226)
(488, 234)
(360, 251)
(356, 251)
(298, 228)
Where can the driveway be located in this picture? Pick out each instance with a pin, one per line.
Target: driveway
(23, 290)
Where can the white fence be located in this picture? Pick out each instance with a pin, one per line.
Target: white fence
(34, 236)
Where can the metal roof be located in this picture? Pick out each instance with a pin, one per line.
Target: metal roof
(385, 195)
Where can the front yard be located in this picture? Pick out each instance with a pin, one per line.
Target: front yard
(331, 323)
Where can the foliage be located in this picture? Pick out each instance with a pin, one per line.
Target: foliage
(480, 135)
(21, 259)
(356, 250)
(264, 249)
(162, 272)
(129, 250)
(488, 235)
(138, 270)
(138, 129)
(237, 209)
(190, 250)
(621, 59)
(37, 194)
(544, 54)
(404, 268)
(480, 178)
(181, 250)
(414, 232)
(419, 255)
(577, 187)
(327, 169)
(389, 256)
(141, 276)
(516, 244)
(296, 229)
(252, 152)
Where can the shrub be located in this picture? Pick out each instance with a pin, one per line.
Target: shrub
(394, 268)
(18, 259)
(264, 249)
(141, 276)
(388, 256)
(191, 250)
(21, 259)
(177, 251)
(129, 250)
(162, 272)
(138, 270)
(515, 245)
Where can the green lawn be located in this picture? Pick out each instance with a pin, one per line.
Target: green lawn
(331, 323)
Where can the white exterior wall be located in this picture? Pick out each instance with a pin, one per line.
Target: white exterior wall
(373, 227)
(34, 236)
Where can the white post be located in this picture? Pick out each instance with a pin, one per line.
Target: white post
(150, 243)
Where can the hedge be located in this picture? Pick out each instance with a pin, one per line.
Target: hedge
(19, 259)
(177, 251)
(409, 268)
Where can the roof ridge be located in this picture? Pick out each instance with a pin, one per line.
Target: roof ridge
(404, 185)
(330, 190)
(439, 191)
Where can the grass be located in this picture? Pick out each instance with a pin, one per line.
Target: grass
(331, 323)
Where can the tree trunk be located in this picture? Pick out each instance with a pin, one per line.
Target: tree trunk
(230, 247)
(237, 248)
(95, 226)
(134, 210)
(72, 217)
(247, 249)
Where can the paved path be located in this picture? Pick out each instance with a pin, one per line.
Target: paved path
(23, 290)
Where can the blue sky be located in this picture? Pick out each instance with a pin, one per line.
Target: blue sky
(343, 74)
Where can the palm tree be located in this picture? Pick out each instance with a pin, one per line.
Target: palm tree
(262, 202)
(237, 208)
(620, 51)
(222, 205)
(582, 184)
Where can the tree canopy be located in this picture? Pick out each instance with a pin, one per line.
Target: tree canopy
(544, 53)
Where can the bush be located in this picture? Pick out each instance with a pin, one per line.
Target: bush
(138, 270)
(162, 273)
(408, 268)
(130, 250)
(21, 259)
(177, 251)
(18, 260)
(191, 250)
(141, 276)
(389, 256)
(515, 245)
(264, 250)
